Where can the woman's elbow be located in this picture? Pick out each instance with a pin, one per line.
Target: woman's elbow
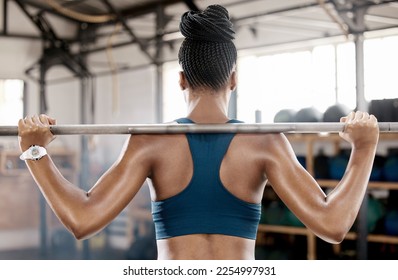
(336, 238)
(332, 228)
(79, 229)
(84, 231)
(333, 235)
(80, 234)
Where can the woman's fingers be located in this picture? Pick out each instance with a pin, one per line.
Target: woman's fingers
(48, 120)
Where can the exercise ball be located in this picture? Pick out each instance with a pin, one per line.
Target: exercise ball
(321, 166)
(335, 112)
(310, 114)
(392, 199)
(292, 220)
(377, 169)
(274, 214)
(302, 160)
(390, 169)
(338, 165)
(285, 115)
(376, 211)
(391, 222)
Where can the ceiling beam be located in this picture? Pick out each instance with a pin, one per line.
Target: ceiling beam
(313, 24)
(40, 23)
(46, 9)
(280, 11)
(135, 11)
(20, 36)
(382, 19)
(134, 37)
(5, 17)
(56, 50)
(354, 17)
(191, 5)
(104, 48)
(274, 27)
(72, 3)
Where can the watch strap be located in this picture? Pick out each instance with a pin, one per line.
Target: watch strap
(38, 150)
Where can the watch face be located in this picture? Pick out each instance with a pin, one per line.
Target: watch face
(35, 152)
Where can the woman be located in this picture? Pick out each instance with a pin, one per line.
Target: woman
(207, 188)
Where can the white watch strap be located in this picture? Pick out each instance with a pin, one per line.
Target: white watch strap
(24, 155)
(38, 150)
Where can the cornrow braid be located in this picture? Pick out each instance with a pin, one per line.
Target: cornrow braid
(207, 54)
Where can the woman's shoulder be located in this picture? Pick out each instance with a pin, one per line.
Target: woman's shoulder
(261, 144)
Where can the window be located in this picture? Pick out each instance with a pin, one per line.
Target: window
(318, 77)
(288, 81)
(11, 101)
(346, 75)
(381, 68)
(173, 99)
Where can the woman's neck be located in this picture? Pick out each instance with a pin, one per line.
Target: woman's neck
(204, 107)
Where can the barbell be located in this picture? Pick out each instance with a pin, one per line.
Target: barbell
(332, 127)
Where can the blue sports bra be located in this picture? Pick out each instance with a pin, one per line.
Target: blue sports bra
(205, 206)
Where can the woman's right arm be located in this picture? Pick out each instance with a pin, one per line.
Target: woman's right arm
(329, 216)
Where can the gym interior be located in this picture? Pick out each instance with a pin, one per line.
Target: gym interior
(115, 62)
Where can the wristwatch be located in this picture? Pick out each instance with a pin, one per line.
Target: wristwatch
(34, 152)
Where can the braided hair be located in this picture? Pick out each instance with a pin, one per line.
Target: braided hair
(207, 55)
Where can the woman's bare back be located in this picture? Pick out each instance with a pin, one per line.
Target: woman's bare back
(242, 174)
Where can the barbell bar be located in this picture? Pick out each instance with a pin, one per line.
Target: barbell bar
(332, 127)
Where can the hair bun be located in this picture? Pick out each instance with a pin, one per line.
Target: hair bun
(213, 24)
